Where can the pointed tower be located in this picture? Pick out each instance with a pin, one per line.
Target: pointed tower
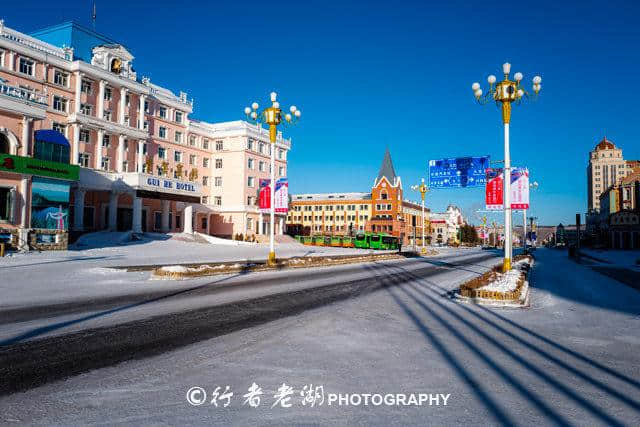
(386, 201)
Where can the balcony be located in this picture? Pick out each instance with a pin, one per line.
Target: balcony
(17, 100)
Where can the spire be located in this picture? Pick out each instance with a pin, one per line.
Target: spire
(386, 169)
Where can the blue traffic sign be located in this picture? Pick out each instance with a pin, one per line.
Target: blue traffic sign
(458, 172)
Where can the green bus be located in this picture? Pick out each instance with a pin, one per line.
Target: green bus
(389, 242)
(336, 241)
(347, 242)
(307, 240)
(318, 240)
(375, 241)
(362, 240)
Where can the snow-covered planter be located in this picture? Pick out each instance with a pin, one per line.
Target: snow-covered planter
(511, 286)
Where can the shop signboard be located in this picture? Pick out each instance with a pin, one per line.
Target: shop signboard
(282, 195)
(49, 204)
(494, 188)
(459, 172)
(37, 167)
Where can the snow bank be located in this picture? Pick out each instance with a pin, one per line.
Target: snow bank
(218, 241)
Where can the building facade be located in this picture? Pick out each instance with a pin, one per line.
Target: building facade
(144, 164)
(606, 168)
(445, 226)
(382, 210)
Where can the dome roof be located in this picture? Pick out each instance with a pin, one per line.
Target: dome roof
(605, 144)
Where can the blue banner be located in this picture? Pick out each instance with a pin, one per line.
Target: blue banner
(459, 172)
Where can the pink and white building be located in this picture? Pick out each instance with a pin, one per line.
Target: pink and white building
(144, 164)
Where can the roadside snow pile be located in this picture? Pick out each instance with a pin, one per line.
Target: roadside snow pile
(174, 269)
(493, 287)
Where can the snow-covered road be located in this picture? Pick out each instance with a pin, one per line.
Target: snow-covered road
(572, 359)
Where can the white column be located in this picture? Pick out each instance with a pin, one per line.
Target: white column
(113, 211)
(98, 164)
(78, 91)
(140, 156)
(261, 224)
(422, 221)
(141, 112)
(273, 203)
(137, 215)
(524, 219)
(101, 85)
(26, 125)
(24, 208)
(75, 148)
(11, 60)
(281, 231)
(507, 197)
(166, 204)
(188, 219)
(120, 164)
(123, 105)
(78, 210)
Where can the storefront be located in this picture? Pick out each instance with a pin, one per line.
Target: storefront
(34, 194)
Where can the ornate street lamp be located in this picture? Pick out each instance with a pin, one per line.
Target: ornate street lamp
(506, 92)
(422, 188)
(273, 117)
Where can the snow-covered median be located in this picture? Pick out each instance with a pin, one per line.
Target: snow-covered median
(493, 287)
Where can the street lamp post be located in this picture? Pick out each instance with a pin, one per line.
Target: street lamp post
(506, 92)
(273, 117)
(422, 188)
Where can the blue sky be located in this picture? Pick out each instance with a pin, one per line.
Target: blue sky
(370, 75)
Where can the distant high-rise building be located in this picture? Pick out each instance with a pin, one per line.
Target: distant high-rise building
(606, 168)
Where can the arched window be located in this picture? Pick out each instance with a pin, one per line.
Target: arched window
(5, 148)
(383, 195)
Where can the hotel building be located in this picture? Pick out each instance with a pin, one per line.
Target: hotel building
(382, 210)
(77, 119)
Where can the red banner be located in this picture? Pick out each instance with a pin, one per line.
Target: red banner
(494, 189)
(265, 195)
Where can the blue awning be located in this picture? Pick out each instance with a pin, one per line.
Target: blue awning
(52, 136)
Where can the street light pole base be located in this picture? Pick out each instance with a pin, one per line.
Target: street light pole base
(506, 266)
(271, 261)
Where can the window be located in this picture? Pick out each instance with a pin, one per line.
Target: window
(179, 116)
(126, 145)
(177, 156)
(204, 200)
(61, 78)
(107, 115)
(26, 66)
(192, 140)
(125, 166)
(146, 106)
(85, 109)
(59, 104)
(219, 145)
(261, 166)
(250, 144)
(106, 164)
(84, 135)
(162, 153)
(106, 141)
(7, 197)
(250, 163)
(2, 58)
(107, 94)
(217, 200)
(146, 125)
(192, 159)
(249, 223)
(205, 180)
(218, 163)
(162, 112)
(205, 144)
(205, 162)
(60, 128)
(217, 181)
(261, 148)
(280, 171)
(178, 137)
(250, 181)
(162, 132)
(280, 154)
(127, 99)
(251, 200)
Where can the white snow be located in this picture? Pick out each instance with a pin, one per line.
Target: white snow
(616, 257)
(506, 282)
